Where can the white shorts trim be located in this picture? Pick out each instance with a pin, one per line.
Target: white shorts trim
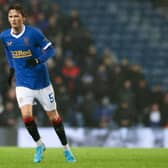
(46, 97)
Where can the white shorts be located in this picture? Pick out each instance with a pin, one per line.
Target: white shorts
(45, 97)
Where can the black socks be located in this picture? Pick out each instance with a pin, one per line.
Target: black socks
(31, 127)
(59, 128)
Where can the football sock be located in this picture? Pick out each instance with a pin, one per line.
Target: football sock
(31, 127)
(59, 128)
(66, 147)
(39, 142)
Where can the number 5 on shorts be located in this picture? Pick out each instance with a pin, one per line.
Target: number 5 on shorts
(51, 97)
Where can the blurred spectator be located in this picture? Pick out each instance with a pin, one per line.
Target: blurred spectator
(62, 18)
(126, 94)
(11, 94)
(70, 72)
(108, 58)
(42, 22)
(143, 98)
(155, 116)
(52, 68)
(125, 68)
(101, 83)
(88, 107)
(164, 110)
(86, 83)
(62, 95)
(34, 7)
(80, 38)
(116, 78)
(3, 2)
(67, 45)
(157, 94)
(9, 116)
(124, 115)
(90, 61)
(135, 74)
(104, 113)
(54, 30)
(74, 17)
(58, 22)
(1, 104)
(152, 117)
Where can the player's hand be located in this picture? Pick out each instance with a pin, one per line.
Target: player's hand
(11, 75)
(32, 62)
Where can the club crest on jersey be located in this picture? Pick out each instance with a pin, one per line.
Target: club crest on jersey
(26, 41)
(9, 43)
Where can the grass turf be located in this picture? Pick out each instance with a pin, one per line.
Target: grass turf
(11, 157)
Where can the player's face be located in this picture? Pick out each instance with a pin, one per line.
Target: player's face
(15, 19)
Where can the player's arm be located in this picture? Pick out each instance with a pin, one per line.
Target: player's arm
(48, 50)
(46, 54)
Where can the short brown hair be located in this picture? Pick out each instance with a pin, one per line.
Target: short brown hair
(17, 7)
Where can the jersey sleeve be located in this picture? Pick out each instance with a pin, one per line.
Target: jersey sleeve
(48, 53)
(41, 40)
(47, 47)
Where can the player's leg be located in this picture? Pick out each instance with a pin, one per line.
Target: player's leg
(47, 100)
(25, 99)
(29, 122)
(31, 126)
(57, 123)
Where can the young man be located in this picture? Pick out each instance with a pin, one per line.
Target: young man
(27, 50)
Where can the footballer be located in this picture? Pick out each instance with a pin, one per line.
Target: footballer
(27, 50)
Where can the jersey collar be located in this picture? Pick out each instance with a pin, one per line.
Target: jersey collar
(18, 35)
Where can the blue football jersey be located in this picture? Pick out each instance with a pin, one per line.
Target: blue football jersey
(29, 44)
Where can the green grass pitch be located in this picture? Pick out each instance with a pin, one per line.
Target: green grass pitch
(11, 157)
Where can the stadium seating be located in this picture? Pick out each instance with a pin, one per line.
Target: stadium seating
(133, 29)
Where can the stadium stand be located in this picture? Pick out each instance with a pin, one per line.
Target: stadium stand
(133, 29)
(109, 42)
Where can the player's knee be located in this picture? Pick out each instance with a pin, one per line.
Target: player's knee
(26, 115)
(53, 115)
(27, 119)
(55, 119)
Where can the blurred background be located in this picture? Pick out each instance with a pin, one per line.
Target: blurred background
(110, 73)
